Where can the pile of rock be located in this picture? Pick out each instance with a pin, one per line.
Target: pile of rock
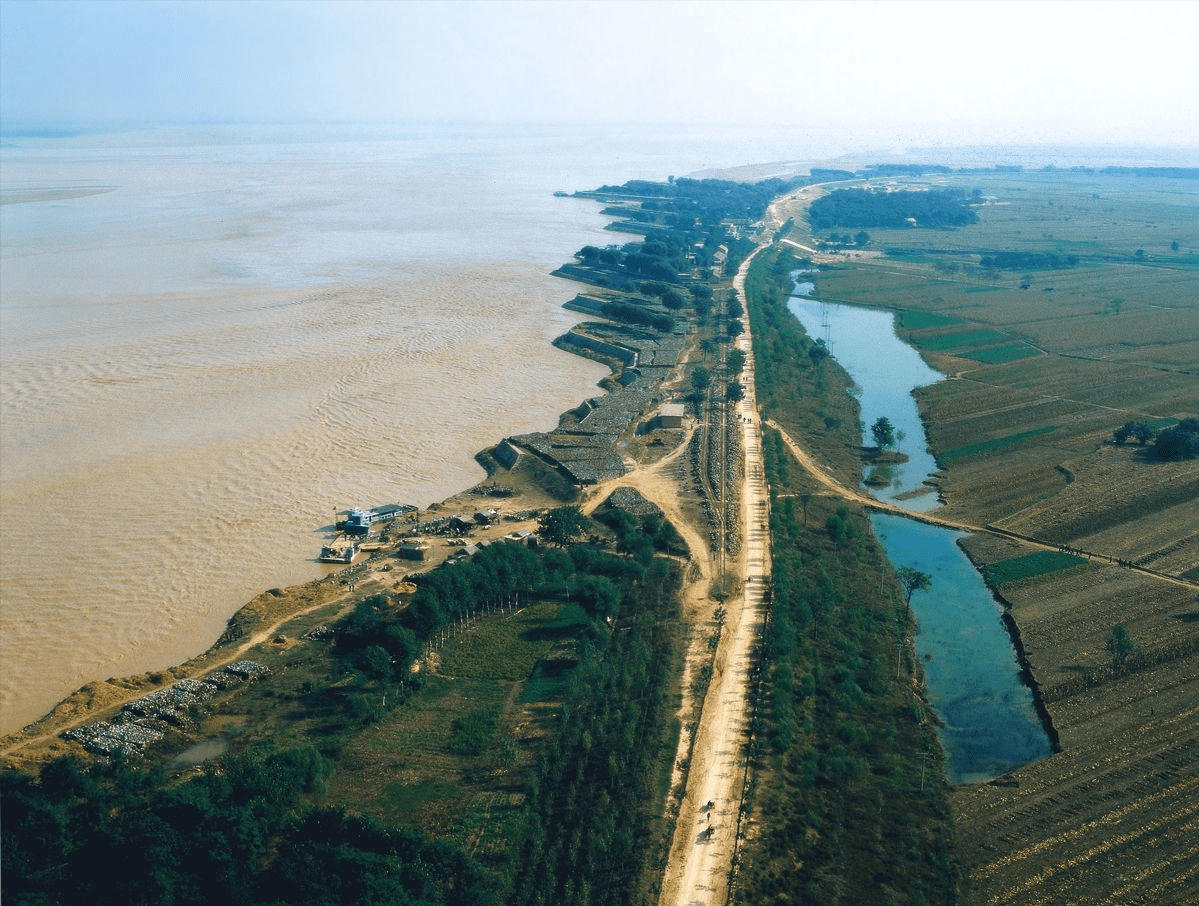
(584, 447)
(582, 458)
(145, 722)
(632, 502)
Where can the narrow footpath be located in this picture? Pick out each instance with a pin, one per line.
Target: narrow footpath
(835, 487)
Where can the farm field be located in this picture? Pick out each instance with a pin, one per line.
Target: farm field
(1043, 365)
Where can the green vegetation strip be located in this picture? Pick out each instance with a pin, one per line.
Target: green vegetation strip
(998, 355)
(965, 340)
(996, 443)
(1028, 566)
(926, 320)
(844, 808)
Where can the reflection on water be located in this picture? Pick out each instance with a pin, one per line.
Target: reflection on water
(989, 722)
(886, 370)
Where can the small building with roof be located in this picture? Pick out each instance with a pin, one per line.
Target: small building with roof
(670, 416)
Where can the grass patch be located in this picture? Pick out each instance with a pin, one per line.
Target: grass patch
(994, 444)
(506, 647)
(967, 340)
(408, 797)
(925, 320)
(471, 734)
(997, 355)
(1027, 566)
(548, 682)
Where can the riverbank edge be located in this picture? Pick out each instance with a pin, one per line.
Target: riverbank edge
(1025, 673)
(99, 697)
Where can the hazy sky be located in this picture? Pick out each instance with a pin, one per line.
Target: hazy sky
(1020, 72)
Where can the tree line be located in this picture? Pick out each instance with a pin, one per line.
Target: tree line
(120, 835)
(1174, 444)
(861, 208)
(1027, 261)
(245, 831)
(686, 227)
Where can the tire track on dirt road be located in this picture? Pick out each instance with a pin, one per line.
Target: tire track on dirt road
(706, 833)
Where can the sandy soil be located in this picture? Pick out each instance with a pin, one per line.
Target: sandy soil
(263, 619)
(270, 612)
(708, 824)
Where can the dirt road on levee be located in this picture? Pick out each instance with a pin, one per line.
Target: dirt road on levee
(701, 855)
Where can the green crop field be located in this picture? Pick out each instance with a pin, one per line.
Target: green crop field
(1038, 563)
(965, 340)
(1046, 362)
(994, 444)
(923, 320)
(997, 355)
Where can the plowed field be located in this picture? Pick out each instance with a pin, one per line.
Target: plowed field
(1025, 444)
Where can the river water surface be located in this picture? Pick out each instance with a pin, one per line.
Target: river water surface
(989, 723)
(215, 337)
(886, 371)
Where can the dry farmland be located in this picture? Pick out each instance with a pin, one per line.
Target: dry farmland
(1043, 365)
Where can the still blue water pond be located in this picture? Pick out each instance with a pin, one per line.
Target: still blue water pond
(886, 370)
(989, 722)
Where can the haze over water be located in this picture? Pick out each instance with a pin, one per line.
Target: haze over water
(216, 337)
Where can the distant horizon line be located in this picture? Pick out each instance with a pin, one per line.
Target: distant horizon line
(46, 128)
(825, 151)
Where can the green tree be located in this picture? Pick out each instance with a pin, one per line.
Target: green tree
(562, 525)
(1119, 646)
(883, 432)
(1180, 442)
(913, 580)
(598, 595)
(1140, 431)
(736, 360)
(673, 299)
(375, 662)
(818, 352)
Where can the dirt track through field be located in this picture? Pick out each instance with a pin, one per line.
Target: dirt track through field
(831, 484)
